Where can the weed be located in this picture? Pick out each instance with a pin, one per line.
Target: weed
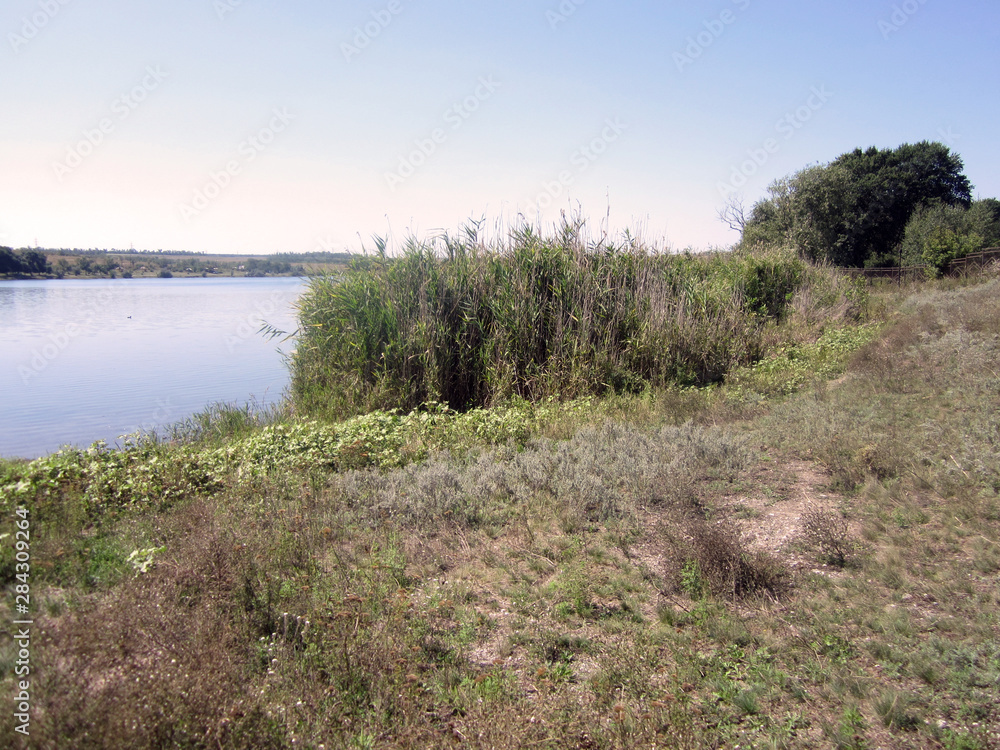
(828, 535)
(691, 582)
(746, 701)
(848, 733)
(895, 710)
(721, 565)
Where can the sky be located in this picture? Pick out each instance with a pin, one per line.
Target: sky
(261, 126)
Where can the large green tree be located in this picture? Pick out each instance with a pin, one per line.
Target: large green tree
(23, 261)
(9, 262)
(34, 261)
(854, 210)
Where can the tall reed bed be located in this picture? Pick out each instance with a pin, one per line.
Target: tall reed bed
(470, 324)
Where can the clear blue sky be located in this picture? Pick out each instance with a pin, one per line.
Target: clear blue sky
(296, 125)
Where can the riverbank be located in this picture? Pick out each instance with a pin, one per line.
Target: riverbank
(807, 555)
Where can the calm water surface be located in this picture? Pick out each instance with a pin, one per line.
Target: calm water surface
(97, 359)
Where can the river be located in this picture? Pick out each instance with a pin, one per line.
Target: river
(87, 360)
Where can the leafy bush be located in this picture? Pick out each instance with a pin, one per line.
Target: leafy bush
(938, 233)
(381, 439)
(103, 479)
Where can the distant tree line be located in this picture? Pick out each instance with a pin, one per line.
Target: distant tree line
(115, 251)
(314, 257)
(257, 267)
(99, 264)
(875, 208)
(91, 265)
(310, 257)
(17, 262)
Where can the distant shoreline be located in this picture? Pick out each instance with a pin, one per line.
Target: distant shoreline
(147, 276)
(42, 264)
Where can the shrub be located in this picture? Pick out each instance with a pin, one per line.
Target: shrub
(937, 233)
(827, 533)
(711, 558)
